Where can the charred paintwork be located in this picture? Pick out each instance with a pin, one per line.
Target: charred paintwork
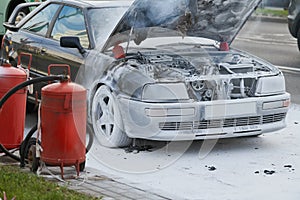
(219, 20)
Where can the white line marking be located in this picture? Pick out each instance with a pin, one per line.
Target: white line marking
(284, 68)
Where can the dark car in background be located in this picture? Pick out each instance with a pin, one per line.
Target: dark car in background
(294, 20)
(6, 9)
(158, 70)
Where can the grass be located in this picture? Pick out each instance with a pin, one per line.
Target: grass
(22, 185)
(271, 12)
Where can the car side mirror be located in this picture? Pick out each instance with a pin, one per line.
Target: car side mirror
(71, 42)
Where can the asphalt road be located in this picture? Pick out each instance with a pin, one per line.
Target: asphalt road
(273, 42)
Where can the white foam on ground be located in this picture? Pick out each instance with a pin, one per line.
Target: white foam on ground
(180, 171)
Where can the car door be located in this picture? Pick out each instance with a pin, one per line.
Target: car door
(29, 38)
(69, 22)
(32, 33)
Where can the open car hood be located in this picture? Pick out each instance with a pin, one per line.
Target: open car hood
(219, 20)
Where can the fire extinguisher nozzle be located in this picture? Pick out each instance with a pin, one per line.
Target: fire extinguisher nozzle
(64, 77)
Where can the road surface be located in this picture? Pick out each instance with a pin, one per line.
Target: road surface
(273, 42)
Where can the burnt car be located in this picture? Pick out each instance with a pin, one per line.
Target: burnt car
(158, 70)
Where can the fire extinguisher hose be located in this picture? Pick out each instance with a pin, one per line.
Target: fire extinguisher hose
(21, 86)
(13, 156)
(29, 82)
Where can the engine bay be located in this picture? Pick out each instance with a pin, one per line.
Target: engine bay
(208, 76)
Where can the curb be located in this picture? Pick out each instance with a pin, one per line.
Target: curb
(269, 19)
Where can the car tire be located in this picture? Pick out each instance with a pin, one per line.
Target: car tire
(82, 166)
(106, 119)
(33, 161)
(298, 39)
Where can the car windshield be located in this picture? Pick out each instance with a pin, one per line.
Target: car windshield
(102, 22)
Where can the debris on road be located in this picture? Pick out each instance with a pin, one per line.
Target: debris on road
(269, 172)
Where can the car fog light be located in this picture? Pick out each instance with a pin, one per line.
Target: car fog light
(286, 103)
(276, 104)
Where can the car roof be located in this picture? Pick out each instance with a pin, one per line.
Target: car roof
(93, 3)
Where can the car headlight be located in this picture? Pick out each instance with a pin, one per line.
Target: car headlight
(270, 85)
(165, 92)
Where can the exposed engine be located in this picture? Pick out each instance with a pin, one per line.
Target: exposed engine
(219, 76)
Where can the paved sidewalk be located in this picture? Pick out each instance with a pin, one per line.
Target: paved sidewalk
(111, 189)
(90, 182)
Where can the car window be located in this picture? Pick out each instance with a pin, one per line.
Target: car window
(70, 22)
(40, 22)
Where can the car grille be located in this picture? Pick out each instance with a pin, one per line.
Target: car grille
(221, 123)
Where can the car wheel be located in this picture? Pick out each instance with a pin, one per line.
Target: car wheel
(298, 39)
(81, 166)
(107, 120)
(33, 161)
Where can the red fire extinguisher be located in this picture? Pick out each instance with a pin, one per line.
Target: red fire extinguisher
(63, 123)
(12, 113)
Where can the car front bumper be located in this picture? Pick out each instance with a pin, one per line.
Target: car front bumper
(204, 120)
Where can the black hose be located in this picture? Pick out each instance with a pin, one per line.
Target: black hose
(13, 156)
(18, 87)
(29, 82)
